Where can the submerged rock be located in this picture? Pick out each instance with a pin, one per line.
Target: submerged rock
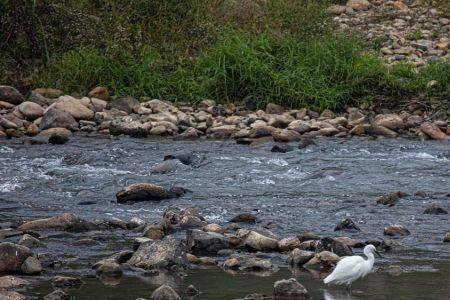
(346, 224)
(160, 254)
(108, 268)
(147, 192)
(9, 282)
(192, 291)
(447, 237)
(12, 256)
(57, 295)
(435, 210)
(165, 292)
(244, 218)
(391, 198)
(289, 289)
(66, 282)
(281, 148)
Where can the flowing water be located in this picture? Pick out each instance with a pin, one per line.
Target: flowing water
(306, 190)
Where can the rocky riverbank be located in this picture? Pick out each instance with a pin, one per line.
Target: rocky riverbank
(48, 116)
(402, 31)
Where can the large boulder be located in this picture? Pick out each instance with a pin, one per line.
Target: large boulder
(165, 292)
(160, 254)
(433, 131)
(57, 118)
(30, 110)
(74, 107)
(133, 128)
(147, 192)
(204, 243)
(10, 95)
(289, 289)
(255, 241)
(63, 222)
(12, 256)
(391, 121)
(324, 259)
(31, 266)
(126, 104)
(299, 257)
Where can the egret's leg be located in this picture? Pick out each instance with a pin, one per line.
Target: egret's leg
(349, 288)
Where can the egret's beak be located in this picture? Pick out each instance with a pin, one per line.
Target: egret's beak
(378, 253)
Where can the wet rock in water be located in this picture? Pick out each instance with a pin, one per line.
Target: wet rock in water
(65, 222)
(122, 257)
(248, 263)
(66, 282)
(281, 148)
(256, 296)
(308, 237)
(204, 243)
(165, 292)
(421, 194)
(288, 244)
(192, 291)
(57, 295)
(31, 266)
(396, 230)
(147, 192)
(447, 237)
(154, 232)
(9, 282)
(391, 198)
(214, 228)
(126, 104)
(322, 260)
(99, 92)
(160, 254)
(346, 224)
(85, 242)
(12, 256)
(10, 95)
(56, 135)
(353, 243)
(289, 289)
(29, 241)
(435, 210)
(57, 118)
(108, 268)
(135, 222)
(244, 218)
(304, 142)
(299, 257)
(433, 131)
(184, 158)
(8, 295)
(255, 241)
(190, 222)
(30, 110)
(167, 167)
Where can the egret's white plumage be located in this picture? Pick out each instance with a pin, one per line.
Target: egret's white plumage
(351, 268)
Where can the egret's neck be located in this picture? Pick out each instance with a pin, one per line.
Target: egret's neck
(370, 259)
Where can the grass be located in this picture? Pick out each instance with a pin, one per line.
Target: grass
(278, 51)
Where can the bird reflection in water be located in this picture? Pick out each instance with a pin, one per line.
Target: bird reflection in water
(338, 295)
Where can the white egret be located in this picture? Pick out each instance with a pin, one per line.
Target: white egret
(351, 268)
